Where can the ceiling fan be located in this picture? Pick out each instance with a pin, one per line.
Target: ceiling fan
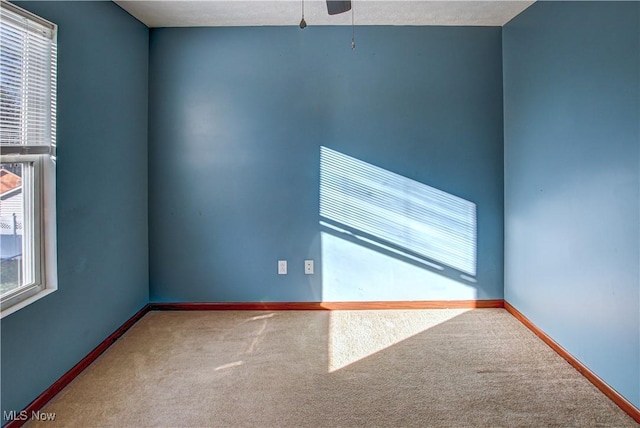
(335, 7)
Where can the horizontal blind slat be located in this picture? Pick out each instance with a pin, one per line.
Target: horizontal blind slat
(27, 78)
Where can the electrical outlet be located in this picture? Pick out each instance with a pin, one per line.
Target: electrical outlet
(282, 267)
(308, 267)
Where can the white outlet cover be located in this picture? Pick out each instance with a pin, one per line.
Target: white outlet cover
(282, 267)
(308, 267)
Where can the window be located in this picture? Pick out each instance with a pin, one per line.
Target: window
(27, 147)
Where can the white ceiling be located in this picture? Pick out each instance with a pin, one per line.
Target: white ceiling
(216, 13)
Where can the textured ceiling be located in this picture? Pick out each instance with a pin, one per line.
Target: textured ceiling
(184, 13)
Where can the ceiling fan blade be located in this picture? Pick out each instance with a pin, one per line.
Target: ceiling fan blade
(338, 6)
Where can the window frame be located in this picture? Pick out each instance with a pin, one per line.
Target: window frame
(39, 200)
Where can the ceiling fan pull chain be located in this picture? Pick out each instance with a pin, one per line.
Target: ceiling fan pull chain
(353, 31)
(303, 23)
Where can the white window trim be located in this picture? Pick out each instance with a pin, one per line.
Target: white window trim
(45, 217)
(44, 208)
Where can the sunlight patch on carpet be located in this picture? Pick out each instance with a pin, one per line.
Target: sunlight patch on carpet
(355, 335)
(228, 366)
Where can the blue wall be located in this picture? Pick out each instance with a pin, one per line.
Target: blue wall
(237, 118)
(572, 184)
(102, 198)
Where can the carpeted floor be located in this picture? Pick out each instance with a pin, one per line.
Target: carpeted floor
(428, 368)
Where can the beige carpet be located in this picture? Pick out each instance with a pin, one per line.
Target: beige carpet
(425, 368)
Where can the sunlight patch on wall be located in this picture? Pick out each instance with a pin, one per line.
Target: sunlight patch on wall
(354, 335)
(354, 272)
(398, 210)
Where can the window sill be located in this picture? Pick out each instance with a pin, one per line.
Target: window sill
(26, 302)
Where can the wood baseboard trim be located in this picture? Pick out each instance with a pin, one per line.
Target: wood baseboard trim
(66, 379)
(326, 306)
(69, 376)
(39, 402)
(620, 401)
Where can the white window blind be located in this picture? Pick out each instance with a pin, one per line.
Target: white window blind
(28, 54)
